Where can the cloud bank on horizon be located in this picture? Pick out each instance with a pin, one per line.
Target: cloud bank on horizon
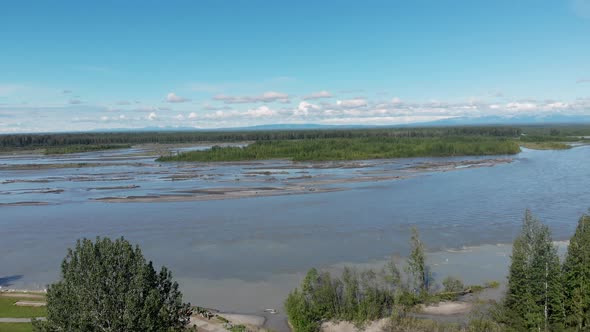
(116, 65)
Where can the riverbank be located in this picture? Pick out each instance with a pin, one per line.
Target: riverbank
(474, 265)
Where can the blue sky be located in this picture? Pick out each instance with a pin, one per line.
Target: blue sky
(81, 65)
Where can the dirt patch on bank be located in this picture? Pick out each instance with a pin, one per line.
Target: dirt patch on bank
(449, 308)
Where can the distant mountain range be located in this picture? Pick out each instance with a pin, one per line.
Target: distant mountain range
(460, 121)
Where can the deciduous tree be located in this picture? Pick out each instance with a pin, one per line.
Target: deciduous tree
(108, 286)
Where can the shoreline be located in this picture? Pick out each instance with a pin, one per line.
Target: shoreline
(490, 261)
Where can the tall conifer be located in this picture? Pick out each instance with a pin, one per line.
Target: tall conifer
(576, 271)
(534, 298)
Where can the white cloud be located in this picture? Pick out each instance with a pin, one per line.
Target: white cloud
(174, 98)
(554, 106)
(75, 102)
(105, 118)
(304, 108)
(56, 117)
(384, 120)
(351, 103)
(583, 80)
(260, 112)
(518, 106)
(145, 109)
(272, 95)
(267, 97)
(318, 95)
(219, 115)
(216, 108)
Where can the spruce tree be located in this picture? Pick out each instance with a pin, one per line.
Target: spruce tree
(518, 294)
(534, 297)
(576, 271)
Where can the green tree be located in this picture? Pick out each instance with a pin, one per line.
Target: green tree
(301, 316)
(392, 276)
(350, 294)
(453, 285)
(534, 297)
(576, 271)
(417, 268)
(108, 286)
(372, 300)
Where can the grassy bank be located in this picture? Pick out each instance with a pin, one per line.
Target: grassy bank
(8, 309)
(16, 327)
(84, 148)
(546, 145)
(354, 149)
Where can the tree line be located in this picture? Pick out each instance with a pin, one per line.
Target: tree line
(354, 149)
(60, 139)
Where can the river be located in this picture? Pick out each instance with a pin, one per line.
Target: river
(244, 254)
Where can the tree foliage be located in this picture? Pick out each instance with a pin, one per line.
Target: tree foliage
(417, 268)
(108, 286)
(576, 272)
(354, 148)
(9, 141)
(542, 294)
(534, 297)
(357, 296)
(453, 285)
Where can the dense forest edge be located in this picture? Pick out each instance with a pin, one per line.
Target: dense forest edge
(543, 292)
(358, 148)
(315, 145)
(396, 143)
